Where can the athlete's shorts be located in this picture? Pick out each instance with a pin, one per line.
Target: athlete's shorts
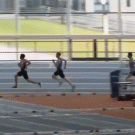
(23, 73)
(132, 73)
(60, 73)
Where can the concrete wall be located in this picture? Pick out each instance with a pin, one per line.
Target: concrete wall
(124, 8)
(128, 9)
(89, 6)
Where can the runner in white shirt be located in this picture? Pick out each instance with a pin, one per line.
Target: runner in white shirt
(131, 65)
(59, 71)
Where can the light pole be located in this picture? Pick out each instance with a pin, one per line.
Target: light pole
(16, 3)
(68, 16)
(68, 29)
(120, 43)
(120, 29)
(105, 18)
(61, 8)
(16, 15)
(105, 26)
(119, 17)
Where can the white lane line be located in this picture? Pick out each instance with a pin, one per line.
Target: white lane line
(101, 121)
(4, 117)
(87, 119)
(46, 108)
(21, 128)
(100, 109)
(44, 125)
(119, 118)
(69, 122)
(20, 116)
(22, 103)
(14, 107)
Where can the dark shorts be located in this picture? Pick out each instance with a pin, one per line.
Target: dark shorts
(60, 73)
(132, 73)
(23, 73)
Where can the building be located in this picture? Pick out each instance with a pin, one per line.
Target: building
(9, 5)
(109, 5)
(29, 4)
(6, 4)
(93, 5)
(77, 5)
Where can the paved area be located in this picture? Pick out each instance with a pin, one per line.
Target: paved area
(24, 118)
(7, 53)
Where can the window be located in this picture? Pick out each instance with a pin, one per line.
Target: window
(9, 4)
(44, 2)
(97, 2)
(101, 5)
(128, 3)
(32, 3)
(75, 5)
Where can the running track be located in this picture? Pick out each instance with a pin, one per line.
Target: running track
(18, 117)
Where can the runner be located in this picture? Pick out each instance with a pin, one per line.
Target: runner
(131, 64)
(59, 71)
(23, 66)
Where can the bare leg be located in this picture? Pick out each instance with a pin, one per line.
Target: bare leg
(129, 75)
(16, 81)
(66, 80)
(31, 81)
(54, 77)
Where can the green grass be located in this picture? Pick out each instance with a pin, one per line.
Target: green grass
(30, 26)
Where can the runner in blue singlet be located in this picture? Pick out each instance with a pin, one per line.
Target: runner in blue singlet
(23, 72)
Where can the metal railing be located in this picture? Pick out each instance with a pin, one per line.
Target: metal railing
(72, 47)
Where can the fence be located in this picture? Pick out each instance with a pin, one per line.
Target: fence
(72, 47)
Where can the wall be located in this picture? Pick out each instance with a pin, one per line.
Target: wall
(89, 6)
(124, 8)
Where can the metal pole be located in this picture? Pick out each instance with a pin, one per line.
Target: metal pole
(105, 23)
(79, 5)
(120, 43)
(69, 49)
(120, 28)
(16, 23)
(61, 8)
(119, 17)
(16, 15)
(106, 31)
(95, 48)
(106, 48)
(68, 16)
(68, 29)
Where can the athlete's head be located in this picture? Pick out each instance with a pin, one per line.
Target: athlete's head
(129, 55)
(22, 56)
(58, 54)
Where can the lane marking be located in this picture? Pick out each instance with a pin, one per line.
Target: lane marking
(34, 123)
